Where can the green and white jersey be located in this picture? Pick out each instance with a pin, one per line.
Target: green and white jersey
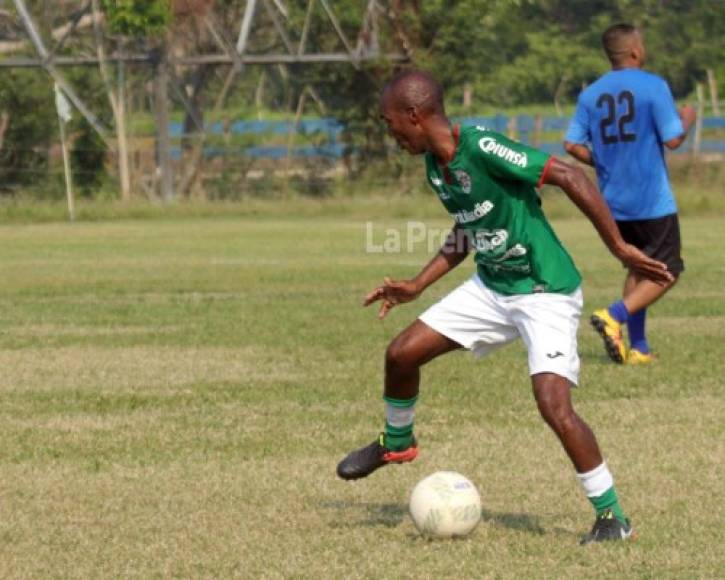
(489, 189)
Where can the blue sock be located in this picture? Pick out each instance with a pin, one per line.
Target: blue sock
(619, 312)
(635, 328)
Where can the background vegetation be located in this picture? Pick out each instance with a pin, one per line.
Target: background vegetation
(505, 56)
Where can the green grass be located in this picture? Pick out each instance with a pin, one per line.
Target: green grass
(176, 394)
(364, 200)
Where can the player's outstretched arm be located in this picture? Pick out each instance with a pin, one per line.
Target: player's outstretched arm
(392, 292)
(587, 198)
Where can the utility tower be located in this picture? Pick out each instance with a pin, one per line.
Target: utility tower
(53, 36)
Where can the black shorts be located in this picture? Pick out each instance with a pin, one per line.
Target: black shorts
(659, 238)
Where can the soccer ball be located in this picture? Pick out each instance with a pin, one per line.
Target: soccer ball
(445, 504)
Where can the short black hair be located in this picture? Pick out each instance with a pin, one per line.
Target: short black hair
(416, 88)
(616, 38)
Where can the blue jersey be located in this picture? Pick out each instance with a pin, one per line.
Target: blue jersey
(625, 117)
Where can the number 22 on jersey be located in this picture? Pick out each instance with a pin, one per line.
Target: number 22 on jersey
(611, 127)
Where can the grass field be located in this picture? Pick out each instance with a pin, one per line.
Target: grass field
(176, 395)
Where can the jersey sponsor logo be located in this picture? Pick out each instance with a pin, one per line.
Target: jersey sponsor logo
(490, 240)
(493, 241)
(464, 180)
(491, 146)
(521, 268)
(517, 250)
(479, 210)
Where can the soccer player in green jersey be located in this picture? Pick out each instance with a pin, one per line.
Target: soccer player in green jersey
(526, 284)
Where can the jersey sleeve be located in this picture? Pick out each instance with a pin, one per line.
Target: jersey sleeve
(507, 159)
(667, 119)
(578, 131)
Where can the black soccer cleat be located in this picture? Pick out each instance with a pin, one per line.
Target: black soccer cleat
(362, 462)
(607, 527)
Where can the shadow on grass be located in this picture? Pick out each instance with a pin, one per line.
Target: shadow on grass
(353, 514)
(521, 522)
(366, 514)
(390, 515)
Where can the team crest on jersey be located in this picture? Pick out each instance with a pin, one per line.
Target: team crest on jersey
(464, 180)
(437, 184)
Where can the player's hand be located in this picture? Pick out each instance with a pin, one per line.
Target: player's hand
(392, 292)
(648, 267)
(688, 114)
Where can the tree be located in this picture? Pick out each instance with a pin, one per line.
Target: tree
(138, 18)
(26, 102)
(130, 19)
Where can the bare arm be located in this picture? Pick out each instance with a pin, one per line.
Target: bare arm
(392, 292)
(580, 152)
(688, 116)
(453, 251)
(587, 198)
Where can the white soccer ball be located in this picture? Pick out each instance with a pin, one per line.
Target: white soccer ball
(445, 504)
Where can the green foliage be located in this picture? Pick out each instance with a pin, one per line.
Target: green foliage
(28, 135)
(522, 51)
(138, 17)
(88, 160)
(529, 56)
(552, 65)
(466, 41)
(88, 150)
(683, 38)
(28, 158)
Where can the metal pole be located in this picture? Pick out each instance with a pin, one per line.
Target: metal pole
(67, 170)
(698, 122)
(195, 60)
(57, 77)
(340, 34)
(163, 144)
(246, 25)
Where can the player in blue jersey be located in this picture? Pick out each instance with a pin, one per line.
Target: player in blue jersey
(621, 125)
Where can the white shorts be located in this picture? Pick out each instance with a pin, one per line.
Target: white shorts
(482, 320)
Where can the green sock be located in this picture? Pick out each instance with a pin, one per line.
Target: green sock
(608, 501)
(399, 423)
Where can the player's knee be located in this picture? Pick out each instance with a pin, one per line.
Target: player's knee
(558, 416)
(399, 355)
